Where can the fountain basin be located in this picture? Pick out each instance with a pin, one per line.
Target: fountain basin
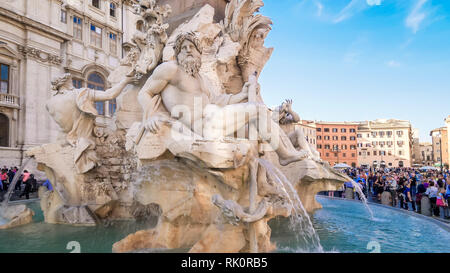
(15, 215)
(343, 226)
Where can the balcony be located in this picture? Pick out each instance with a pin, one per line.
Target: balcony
(8, 100)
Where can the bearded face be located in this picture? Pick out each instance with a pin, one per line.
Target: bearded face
(189, 58)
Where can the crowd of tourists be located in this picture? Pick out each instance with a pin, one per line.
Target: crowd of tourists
(407, 187)
(25, 185)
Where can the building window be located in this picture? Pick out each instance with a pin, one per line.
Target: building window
(113, 43)
(335, 137)
(343, 130)
(352, 131)
(326, 137)
(319, 129)
(4, 79)
(326, 130)
(96, 3)
(327, 154)
(77, 83)
(374, 152)
(343, 138)
(64, 16)
(319, 146)
(344, 155)
(400, 152)
(359, 135)
(381, 133)
(335, 130)
(352, 147)
(344, 147)
(352, 138)
(4, 132)
(96, 36)
(96, 82)
(112, 10)
(353, 155)
(77, 28)
(319, 137)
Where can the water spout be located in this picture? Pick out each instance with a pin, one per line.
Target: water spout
(8, 194)
(362, 197)
(300, 221)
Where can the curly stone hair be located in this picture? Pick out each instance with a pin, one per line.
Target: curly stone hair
(190, 36)
(60, 81)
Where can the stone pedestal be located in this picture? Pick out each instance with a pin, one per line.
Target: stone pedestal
(349, 193)
(425, 206)
(386, 198)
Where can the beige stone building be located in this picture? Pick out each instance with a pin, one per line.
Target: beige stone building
(309, 130)
(439, 139)
(416, 155)
(425, 156)
(385, 143)
(40, 40)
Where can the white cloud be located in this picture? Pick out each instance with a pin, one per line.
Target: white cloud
(354, 7)
(373, 2)
(319, 8)
(416, 17)
(393, 63)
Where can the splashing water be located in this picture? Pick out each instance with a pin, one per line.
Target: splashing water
(362, 197)
(8, 194)
(300, 222)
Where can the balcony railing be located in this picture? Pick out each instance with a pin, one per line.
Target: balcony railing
(9, 100)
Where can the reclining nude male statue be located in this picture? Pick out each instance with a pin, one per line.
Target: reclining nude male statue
(178, 85)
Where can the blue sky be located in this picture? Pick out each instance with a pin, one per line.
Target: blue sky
(351, 60)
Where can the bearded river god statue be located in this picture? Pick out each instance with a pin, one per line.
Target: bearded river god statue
(201, 151)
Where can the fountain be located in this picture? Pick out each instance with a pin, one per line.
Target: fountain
(193, 144)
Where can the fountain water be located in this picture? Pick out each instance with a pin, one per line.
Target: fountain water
(8, 194)
(300, 221)
(13, 185)
(362, 197)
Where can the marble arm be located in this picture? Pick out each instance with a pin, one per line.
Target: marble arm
(243, 95)
(113, 92)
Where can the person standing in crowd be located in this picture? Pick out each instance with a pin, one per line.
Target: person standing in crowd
(4, 179)
(22, 179)
(392, 188)
(408, 198)
(420, 192)
(432, 192)
(33, 183)
(27, 189)
(441, 203)
(413, 184)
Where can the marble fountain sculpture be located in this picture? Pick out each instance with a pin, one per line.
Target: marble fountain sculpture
(192, 141)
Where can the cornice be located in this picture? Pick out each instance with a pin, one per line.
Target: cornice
(34, 24)
(30, 52)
